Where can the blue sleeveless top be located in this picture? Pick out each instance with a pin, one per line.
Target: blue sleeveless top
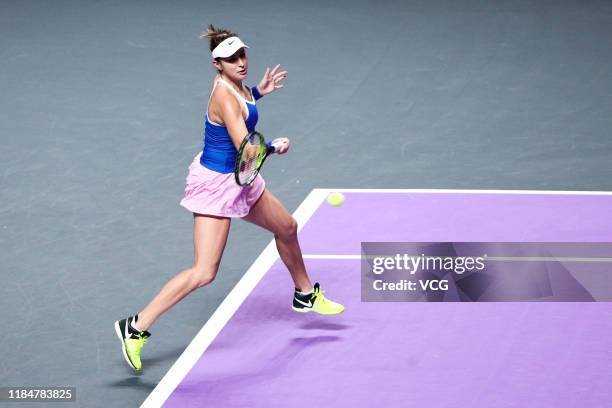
(219, 153)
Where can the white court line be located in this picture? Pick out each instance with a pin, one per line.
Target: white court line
(451, 191)
(340, 257)
(489, 258)
(226, 310)
(258, 269)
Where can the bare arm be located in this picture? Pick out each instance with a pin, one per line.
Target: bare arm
(229, 110)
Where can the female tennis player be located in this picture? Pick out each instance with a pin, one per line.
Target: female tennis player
(214, 197)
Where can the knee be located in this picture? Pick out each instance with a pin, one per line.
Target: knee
(202, 275)
(289, 229)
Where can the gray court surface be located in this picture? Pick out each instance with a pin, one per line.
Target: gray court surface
(101, 112)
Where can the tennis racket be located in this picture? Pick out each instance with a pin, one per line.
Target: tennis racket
(251, 155)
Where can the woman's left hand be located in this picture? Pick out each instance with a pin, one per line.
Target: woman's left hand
(271, 80)
(281, 145)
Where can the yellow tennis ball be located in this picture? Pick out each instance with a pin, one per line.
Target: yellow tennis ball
(335, 199)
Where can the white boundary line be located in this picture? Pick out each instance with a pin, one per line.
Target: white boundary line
(332, 257)
(226, 310)
(489, 258)
(263, 263)
(451, 191)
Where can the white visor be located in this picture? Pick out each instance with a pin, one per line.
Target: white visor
(228, 47)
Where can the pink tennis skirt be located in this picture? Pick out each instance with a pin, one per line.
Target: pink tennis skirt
(211, 193)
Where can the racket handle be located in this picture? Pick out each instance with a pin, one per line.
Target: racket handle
(271, 148)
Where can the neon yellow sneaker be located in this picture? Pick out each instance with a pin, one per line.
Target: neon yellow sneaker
(315, 302)
(132, 342)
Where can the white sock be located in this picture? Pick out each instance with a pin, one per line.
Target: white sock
(133, 325)
(306, 293)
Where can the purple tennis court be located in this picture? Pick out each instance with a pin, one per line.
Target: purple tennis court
(413, 353)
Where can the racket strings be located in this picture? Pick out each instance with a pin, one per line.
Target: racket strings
(251, 156)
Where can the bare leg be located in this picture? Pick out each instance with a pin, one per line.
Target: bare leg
(209, 238)
(270, 214)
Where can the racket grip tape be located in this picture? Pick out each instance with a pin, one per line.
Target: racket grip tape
(270, 147)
